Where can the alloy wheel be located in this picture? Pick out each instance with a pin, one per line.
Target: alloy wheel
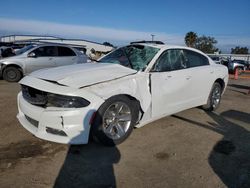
(116, 120)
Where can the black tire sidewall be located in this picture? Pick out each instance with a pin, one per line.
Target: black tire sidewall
(14, 69)
(96, 129)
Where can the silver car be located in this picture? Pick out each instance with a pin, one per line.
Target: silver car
(239, 65)
(34, 57)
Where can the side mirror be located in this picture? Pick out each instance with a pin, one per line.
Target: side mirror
(32, 54)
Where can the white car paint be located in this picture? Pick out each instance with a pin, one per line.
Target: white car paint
(82, 74)
(159, 93)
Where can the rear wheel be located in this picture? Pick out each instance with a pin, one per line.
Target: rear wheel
(12, 74)
(214, 98)
(115, 120)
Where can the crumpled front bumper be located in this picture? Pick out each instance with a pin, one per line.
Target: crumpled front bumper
(69, 126)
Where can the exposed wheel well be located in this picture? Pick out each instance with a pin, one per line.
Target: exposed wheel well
(221, 82)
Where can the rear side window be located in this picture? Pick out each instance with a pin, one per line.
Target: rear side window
(195, 59)
(64, 51)
(45, 51)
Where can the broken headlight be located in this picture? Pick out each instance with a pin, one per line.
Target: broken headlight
(63, 101)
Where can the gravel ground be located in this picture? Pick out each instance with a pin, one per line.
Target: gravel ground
(189, 149)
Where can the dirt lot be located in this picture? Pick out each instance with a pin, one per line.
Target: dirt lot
(190, 149)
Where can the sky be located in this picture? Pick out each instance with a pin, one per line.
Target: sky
(120, 22)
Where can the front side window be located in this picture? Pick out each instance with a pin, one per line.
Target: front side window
(135, 56)
(45, 51)
(64, 51)
(170, 60)
(195, 59)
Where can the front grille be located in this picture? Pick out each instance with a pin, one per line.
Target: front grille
(32, 121)
(34, 96)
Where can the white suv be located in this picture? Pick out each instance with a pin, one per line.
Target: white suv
(34, 57)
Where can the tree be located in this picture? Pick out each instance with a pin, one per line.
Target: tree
(190, 39)
(239, 50)
(108, 44)
(206, 44)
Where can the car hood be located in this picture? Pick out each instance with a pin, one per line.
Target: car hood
(81, 75)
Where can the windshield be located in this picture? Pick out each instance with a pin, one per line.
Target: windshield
(136, 57)
(24, 49)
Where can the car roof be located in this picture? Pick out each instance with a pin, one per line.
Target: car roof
(167, 46)
(53, 44)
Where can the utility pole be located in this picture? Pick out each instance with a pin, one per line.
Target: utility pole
(152, 37)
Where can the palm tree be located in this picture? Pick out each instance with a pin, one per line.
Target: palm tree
(190, 39)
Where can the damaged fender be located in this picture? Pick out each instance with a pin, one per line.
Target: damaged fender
(137, 86)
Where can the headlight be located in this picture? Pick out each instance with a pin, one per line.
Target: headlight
(63, 101)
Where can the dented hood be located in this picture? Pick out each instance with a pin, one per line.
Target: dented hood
(81, 75)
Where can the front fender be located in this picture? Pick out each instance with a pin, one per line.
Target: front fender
(136, 86)
(11, 63)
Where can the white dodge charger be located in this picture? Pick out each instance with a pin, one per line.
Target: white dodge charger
(127, 88)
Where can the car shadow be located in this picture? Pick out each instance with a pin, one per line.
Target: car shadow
(88, 166)
(239, 86)
(230, 157)
(240, 116)
(243, 88)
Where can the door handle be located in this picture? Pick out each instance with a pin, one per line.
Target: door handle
(50, 58)
(168, 77)
(188, 77)
(211, 72)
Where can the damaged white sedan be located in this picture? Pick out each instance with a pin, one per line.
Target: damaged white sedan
(128, 88)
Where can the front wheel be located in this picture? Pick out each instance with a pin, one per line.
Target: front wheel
(214, 98)
(12, 74)
(115, 120)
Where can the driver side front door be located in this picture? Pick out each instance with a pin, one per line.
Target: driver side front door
(44, 58)
(170, 83)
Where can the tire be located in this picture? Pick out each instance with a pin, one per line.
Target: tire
(115, 120)
(12, 74)
(214, 98)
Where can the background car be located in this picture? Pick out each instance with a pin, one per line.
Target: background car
(128, 88)
(216, 59)
(34, 57)
(6, 52)
(239, 65)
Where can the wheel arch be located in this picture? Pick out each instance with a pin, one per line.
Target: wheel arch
(4, 66)
(132, 98)
(95, 130)
(221, 82)
(137, 103)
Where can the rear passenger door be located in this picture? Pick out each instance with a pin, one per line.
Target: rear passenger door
(201, 77)
(66, 56)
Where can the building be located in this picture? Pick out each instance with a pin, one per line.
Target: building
(245, 57)
(83, 45)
